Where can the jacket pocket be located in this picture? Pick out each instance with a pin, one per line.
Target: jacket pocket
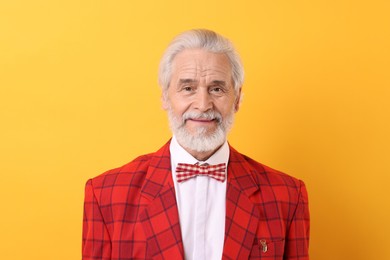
(266, 248)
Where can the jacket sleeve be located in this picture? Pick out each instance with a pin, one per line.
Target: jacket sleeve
(297, 239)
(96, 240)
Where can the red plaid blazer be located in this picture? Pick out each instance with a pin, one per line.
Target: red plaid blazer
(131, 212)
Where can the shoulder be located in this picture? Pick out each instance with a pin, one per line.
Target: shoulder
(127, 174)
(270, 181)
(134, 173)
(270, 176)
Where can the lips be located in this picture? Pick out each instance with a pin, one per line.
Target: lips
(201, 120)
(206, 117)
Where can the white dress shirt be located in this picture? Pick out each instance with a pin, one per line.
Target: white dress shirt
(201, 204)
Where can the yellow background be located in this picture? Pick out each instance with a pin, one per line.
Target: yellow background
(79, 95)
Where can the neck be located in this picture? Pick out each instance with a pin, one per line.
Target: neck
(201, 156)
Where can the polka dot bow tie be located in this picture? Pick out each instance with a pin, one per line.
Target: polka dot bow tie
(186, 171)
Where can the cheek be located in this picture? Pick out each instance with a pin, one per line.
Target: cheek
(226, 107)
(177, 109)
(179, 106)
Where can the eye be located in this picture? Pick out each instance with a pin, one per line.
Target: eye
(187, 88)
(216, 90)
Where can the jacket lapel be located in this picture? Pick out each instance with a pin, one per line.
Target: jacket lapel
(160, 219)
(242, 215)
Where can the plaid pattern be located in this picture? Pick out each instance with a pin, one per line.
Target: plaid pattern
(185, 171)
(131, 212)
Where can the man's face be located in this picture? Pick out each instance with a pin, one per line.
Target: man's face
(200, 99)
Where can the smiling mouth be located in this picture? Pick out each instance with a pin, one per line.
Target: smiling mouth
(202, 120)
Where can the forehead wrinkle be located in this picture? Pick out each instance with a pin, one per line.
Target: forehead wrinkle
(187, 69)
(201, 69)
(194, 66)
(213, 72)
(196, 75)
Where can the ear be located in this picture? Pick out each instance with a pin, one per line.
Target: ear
(164, 101)
(237, 101)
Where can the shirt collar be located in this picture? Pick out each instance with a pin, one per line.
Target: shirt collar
(180, 155)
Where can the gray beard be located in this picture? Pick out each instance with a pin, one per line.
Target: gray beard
(200, 141)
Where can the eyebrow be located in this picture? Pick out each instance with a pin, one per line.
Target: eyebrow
(218, 82)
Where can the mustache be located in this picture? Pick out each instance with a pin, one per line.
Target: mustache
(209, 115)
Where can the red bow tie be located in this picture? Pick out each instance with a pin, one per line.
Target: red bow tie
(185, 171)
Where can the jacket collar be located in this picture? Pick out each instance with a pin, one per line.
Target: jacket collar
(241, 174)
(158, 175)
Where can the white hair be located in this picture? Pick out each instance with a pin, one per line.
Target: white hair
(200, 39)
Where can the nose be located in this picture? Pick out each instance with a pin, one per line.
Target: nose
(203, 100)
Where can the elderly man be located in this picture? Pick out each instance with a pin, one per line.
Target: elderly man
(196, 197)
